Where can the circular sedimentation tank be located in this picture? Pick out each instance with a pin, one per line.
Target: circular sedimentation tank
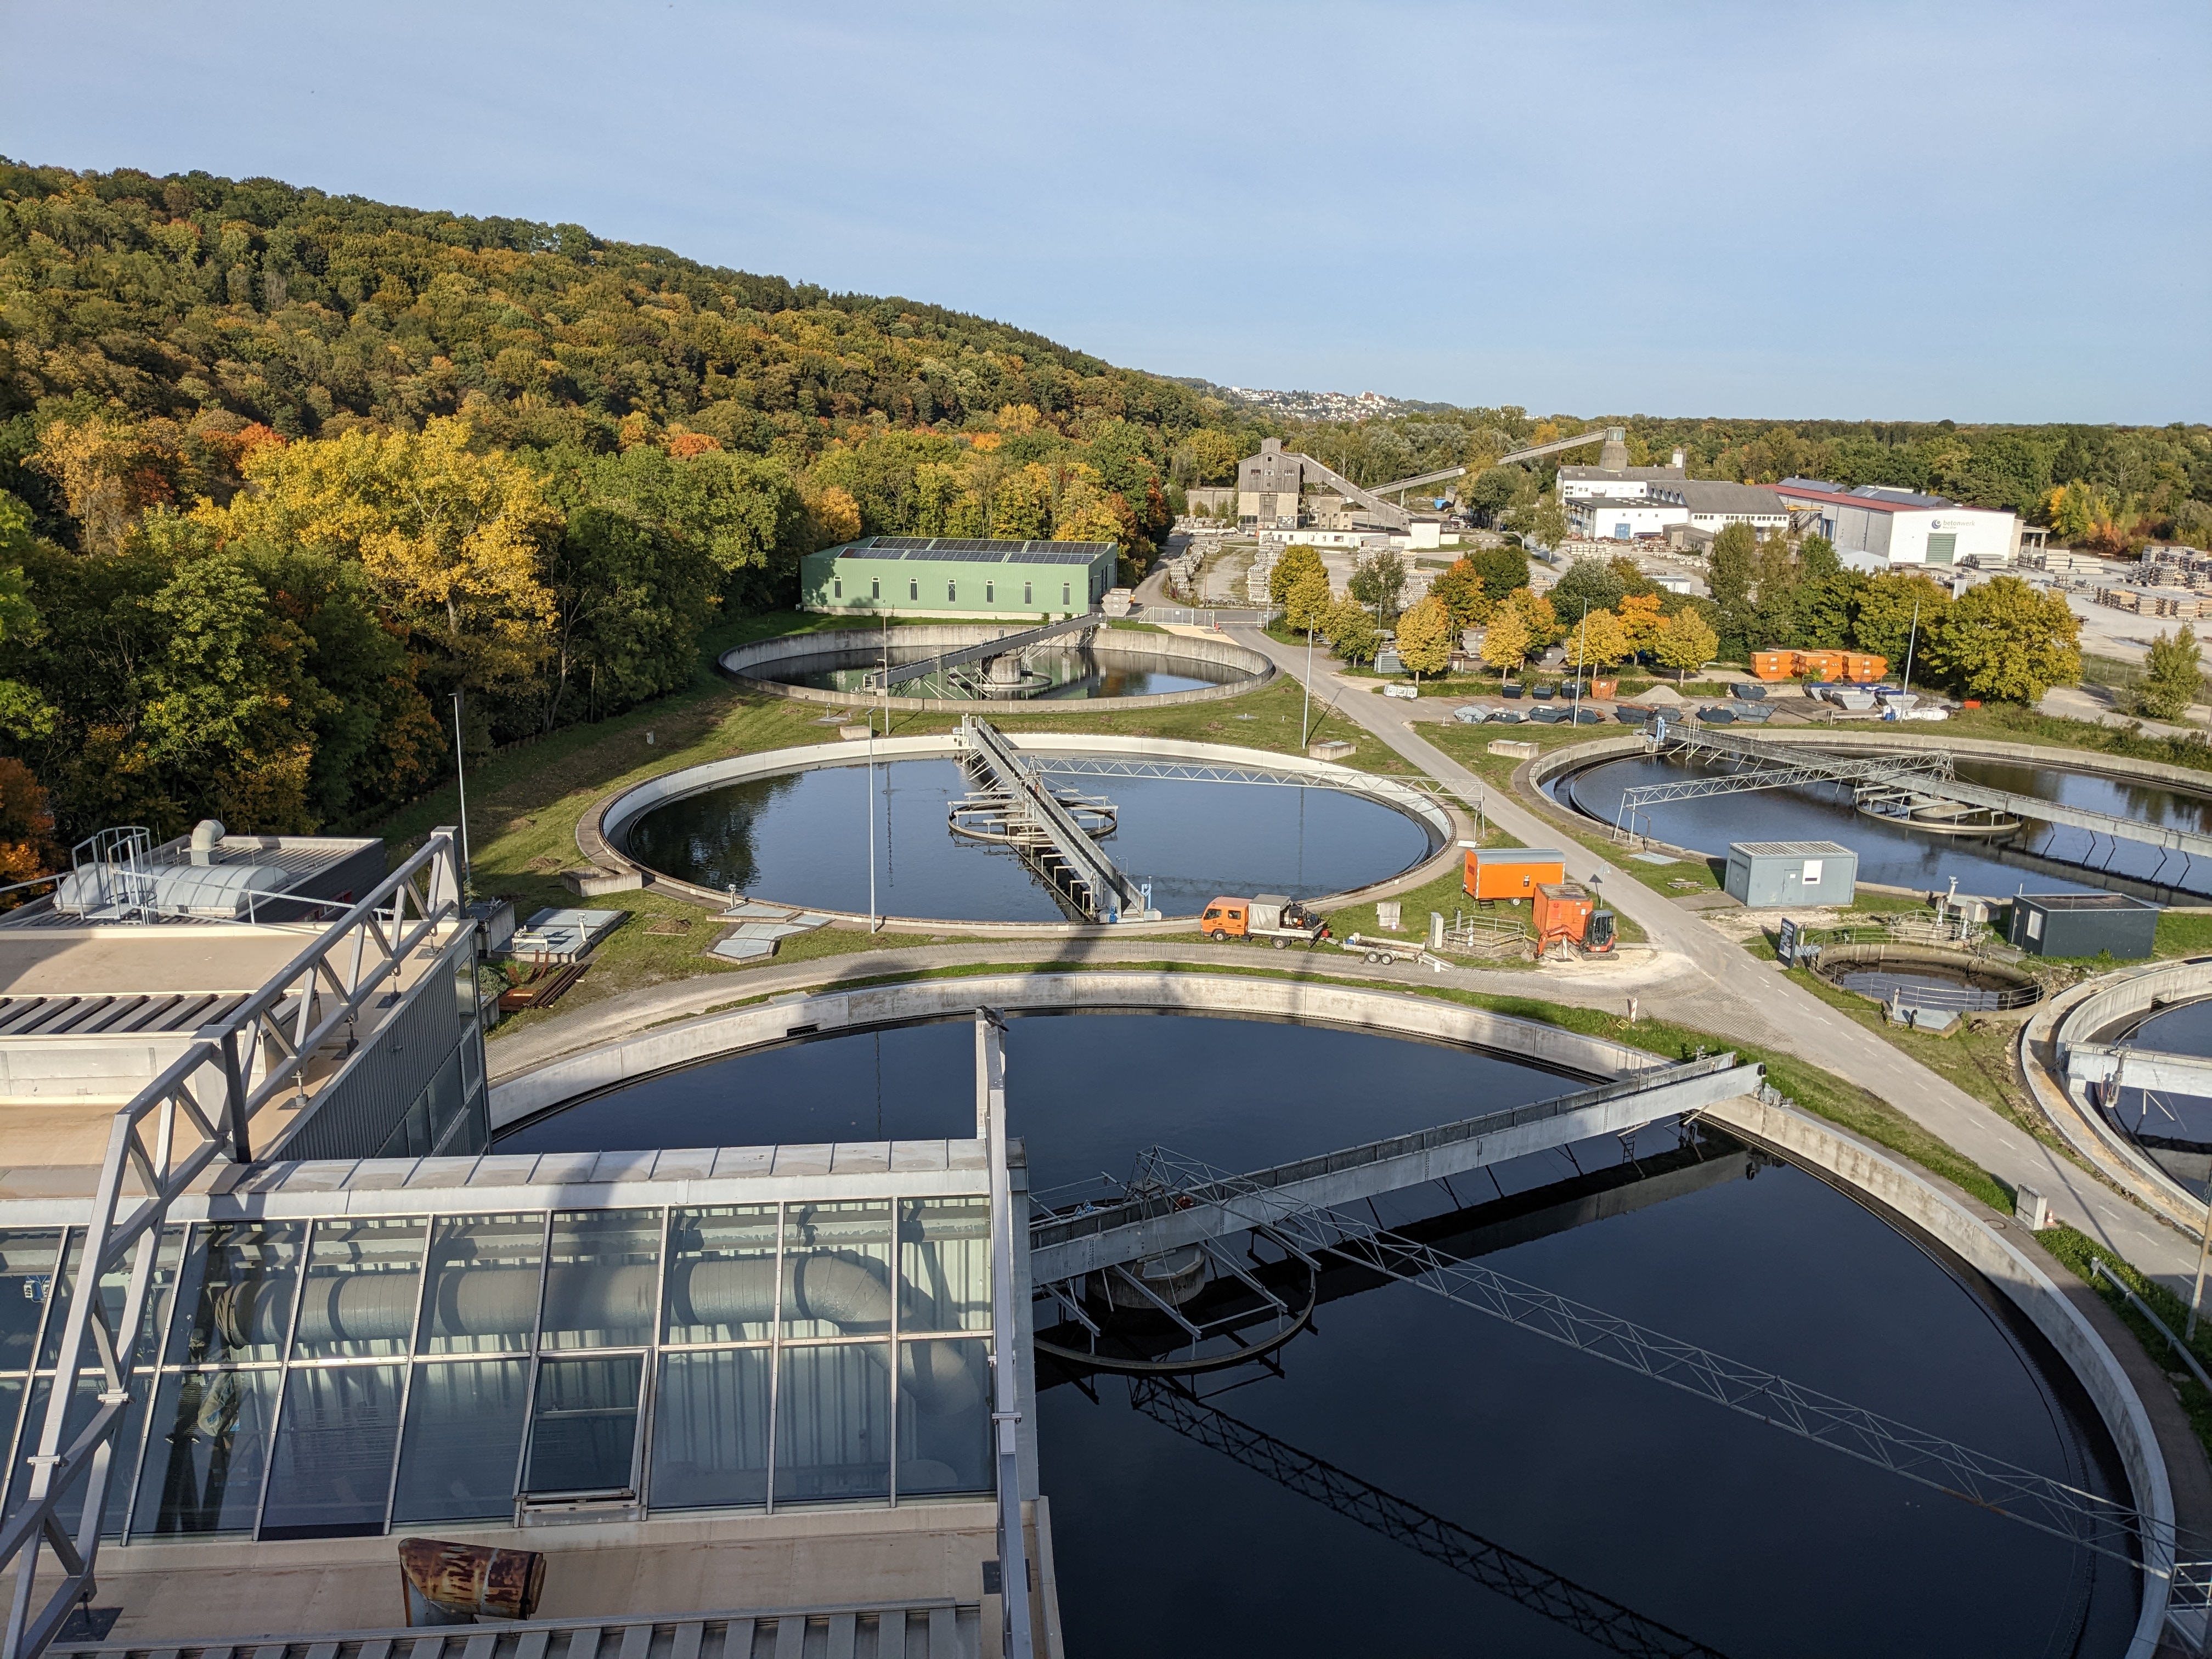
(1921, 976)
(1121, 667)
(1920, 854)
(1705, 1521)
(795, 827)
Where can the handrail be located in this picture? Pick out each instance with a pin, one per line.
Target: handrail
(181, 1098)
(1050, 1230)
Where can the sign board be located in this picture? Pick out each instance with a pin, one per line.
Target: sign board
(1785, 944)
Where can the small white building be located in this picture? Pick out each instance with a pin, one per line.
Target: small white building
(1876, 527)
(1622, 518)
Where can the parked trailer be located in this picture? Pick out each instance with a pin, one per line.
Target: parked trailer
(1392, 950)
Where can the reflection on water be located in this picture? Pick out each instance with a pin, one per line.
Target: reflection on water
(1052, 673)
(1626, 1485)
(1896, 856)
(803, 838)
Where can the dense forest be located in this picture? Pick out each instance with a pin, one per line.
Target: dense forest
(282, 472)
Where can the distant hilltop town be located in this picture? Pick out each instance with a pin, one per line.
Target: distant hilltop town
(1315, 406)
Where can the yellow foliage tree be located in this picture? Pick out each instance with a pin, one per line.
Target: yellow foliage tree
(1642, 619)
(1424, 636)
(100, 466)
(1021, 507)
(454, 541)
(1307, 600)
(1687, 641)
(1597, 641)
(1506, 643)
(1294, 562)
(833, 516)
(1536, 614)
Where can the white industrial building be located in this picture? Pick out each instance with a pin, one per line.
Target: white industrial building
(1576, 482)
(1658, 506)
(1622, 518)
(1875, 527)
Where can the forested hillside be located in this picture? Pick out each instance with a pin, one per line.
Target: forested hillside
(280, 472)
(285, 470)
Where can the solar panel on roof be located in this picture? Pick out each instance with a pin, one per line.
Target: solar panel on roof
(902, 543)
(970, 553)
(1035, 557)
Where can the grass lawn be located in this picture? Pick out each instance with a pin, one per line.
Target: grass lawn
(525, 804)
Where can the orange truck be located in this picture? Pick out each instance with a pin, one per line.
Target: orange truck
(1266, 915)
(1511, 873)
(1568, 912)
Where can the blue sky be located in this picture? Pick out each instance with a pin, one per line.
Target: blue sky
(1909, 211)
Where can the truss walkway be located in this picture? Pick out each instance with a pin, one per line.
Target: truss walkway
(1040, 827)
(1921, 784)
(1006, 644)
(1161, 1211)
(2088, 1519)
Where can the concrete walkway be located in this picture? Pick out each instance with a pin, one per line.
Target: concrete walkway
(1720, 987)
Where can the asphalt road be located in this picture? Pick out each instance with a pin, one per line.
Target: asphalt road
(1718, 986)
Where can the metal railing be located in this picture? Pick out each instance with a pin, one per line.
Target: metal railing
(196, 1113)
(2112, 1528)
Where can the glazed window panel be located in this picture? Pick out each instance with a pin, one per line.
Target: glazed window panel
(123, 1465)
(209, 1450)
(28, 1260)
(836, 1272)
(236, 1294)
(710, 1429)
(463, 1442)
(483, 1291)
(601, 1279)
(115, 1286)
(583, 1427)
(333, 1469)
(363, 1277)
(721, 1274)
(945, 1264)
(833, 1423)
(944, 1417)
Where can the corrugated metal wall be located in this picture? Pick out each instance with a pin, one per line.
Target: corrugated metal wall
(428, 1053)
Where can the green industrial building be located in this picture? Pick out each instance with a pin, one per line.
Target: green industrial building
(957, 576)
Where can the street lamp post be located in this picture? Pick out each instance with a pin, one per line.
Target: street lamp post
(1910, 640)
(1305, 702)
(461, 777)
(1582, 656)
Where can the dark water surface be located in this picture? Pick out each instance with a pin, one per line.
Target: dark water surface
(1899, 857)
(1070, 672)
(1744, 1537)
(2161, 1116)
(802, 838)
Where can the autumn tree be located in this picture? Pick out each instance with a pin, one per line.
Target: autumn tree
(1378, 580)
(454, 541)
(1686, 642)
(1308, 600)
(1597, 641)
(1351, 631)
(1538, 618)
(1424, 636)
(2173, 676)
(1641, 615)
(1506, 643)
(1294, 562)
(2008, 642)
(1461, 588)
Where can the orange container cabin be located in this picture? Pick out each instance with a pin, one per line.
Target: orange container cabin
(1774, 664)
(1511, 873)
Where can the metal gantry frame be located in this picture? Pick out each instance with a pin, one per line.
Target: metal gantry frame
(2083, 1518)
(1018, 1641)
(1059, 849)
(195, 1114)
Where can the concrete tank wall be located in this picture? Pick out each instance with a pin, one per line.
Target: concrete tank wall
(1120, 645)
